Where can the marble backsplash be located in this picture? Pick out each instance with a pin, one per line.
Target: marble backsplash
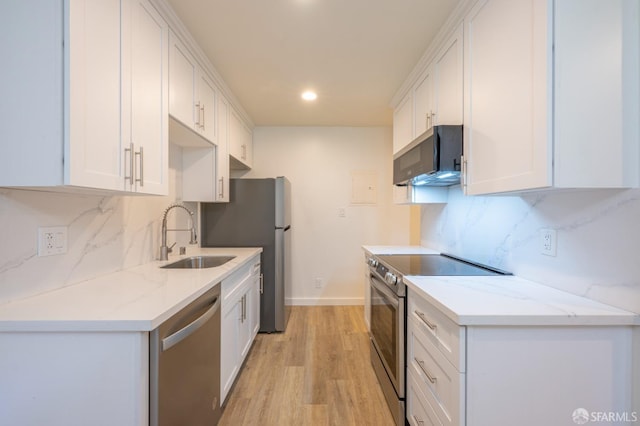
(105, 234)
(598, 238)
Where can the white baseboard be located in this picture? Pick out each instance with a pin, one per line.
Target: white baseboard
(303, 301)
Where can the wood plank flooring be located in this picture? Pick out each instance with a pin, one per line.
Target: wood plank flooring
(318, 372)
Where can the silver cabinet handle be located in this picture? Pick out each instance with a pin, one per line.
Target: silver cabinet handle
(261, 284)
(197, 123)
(203, 117)
(431, 378)
(464, 173)
(425, 320)
(130, 151)
(244, 308)
(417, 419)
(188, 330)
(221, 190)
(244, 152)
(141, 155)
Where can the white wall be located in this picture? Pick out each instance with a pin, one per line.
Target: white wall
(319, 162)
(105, 234)
(598, 238)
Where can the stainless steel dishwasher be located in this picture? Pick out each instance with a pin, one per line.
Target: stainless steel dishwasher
(184, 360)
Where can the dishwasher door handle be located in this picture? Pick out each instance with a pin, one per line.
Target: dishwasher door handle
(188, 330)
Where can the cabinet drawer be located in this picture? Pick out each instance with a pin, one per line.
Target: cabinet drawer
(443, 333)
(437, 378)
(232, 283)
(419, 411)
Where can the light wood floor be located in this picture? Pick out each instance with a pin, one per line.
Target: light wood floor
(318, 372)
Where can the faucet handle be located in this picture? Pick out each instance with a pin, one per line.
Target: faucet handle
(169, 249)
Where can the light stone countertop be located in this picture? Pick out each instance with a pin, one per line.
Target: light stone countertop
(505, 300)
(134, 299)
(512, 301)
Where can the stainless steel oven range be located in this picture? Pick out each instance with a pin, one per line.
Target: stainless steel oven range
(388, 333)
(388, 314)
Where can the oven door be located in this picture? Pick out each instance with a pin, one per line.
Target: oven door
(388, 330)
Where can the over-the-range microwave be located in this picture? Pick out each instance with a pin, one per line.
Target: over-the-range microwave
(432, 159)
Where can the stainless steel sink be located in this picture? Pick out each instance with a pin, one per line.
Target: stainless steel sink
(199, 262)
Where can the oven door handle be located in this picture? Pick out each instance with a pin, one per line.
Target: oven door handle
(388, 295)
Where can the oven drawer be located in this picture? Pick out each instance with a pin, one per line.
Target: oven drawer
(419, 411)
(443, 333)
(441, 383)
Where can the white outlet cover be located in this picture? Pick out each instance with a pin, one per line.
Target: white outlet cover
(548, 241)
(52, 240)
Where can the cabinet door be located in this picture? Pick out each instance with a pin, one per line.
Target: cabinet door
(403, 124)
(230, 347)
(423, 101)
(245, 337)
(207, 103)
(448, 82)
(146, 43)
(222, 151)
(94, 151)
(182, 83)
(254, 308)
(596, 93)
(506, 134)
(240, 141)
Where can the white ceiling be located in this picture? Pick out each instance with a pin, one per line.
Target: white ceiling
(354, 53)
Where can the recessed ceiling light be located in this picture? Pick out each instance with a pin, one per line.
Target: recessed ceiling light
(309, 95)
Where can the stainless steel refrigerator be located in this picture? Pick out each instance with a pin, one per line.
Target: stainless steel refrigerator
(258, 215)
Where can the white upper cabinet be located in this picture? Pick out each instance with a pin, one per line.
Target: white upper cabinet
(423, 104)
(240, 142)
(403, 123)
(535, 118)
(98, 72)
(435, 97)
(447, 77)
(192, 95)
(205, 170)
(507, 143)
(596, 129)
(145, 121)
(95, 152)
(222, 163)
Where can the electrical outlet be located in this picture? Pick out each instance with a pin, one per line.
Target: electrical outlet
(318, 282)
(52, 240)
(548, 242)
(342, 212)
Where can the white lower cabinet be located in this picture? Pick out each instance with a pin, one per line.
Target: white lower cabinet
(441, 383)
(74, 378)
(506, 375)
(239, 321)
(419, 411)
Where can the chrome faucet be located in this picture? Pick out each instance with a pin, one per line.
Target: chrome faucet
(164, 250)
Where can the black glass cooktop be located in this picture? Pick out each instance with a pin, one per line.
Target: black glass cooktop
(436, 265)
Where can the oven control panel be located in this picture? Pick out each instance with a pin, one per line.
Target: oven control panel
(389, 277)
